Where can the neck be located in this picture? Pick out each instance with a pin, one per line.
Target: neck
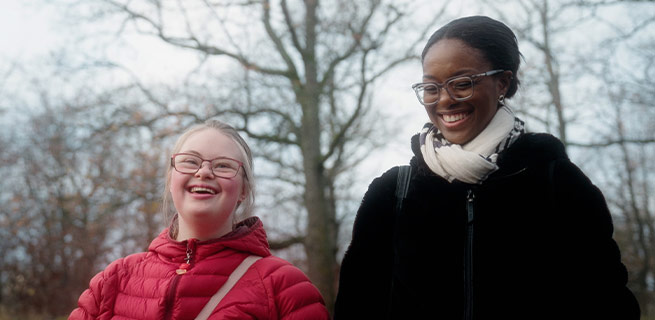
(202, 231)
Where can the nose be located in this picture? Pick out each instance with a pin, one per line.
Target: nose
(205, 171)
(442, 92)
(444, 95)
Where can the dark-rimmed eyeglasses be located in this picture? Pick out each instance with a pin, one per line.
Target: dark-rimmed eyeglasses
(458, 88)
(222, 167)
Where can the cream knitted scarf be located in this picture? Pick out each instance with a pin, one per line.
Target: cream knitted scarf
(474, 161)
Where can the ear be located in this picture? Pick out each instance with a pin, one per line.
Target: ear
(244, 191)
(504, 80)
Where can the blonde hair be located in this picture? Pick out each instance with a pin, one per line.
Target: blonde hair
(244, 208)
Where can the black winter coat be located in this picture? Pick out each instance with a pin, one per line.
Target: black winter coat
(539, 245)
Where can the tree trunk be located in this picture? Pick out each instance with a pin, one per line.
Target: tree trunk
(320, 241)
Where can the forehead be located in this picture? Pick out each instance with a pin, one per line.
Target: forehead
(452, 57)
(210, 143)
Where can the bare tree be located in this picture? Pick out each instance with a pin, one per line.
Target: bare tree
(62, 187)
(638, 217)
(631, 97)
(303, 95)
(50, 212)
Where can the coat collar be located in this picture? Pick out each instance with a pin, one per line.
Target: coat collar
(248, 236)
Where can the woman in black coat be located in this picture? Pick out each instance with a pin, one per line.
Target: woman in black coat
(496, 223)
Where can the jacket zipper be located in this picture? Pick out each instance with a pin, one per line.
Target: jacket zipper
(468, 257)
(181, 270)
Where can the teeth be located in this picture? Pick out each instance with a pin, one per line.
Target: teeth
(454, 117)
(201, 189)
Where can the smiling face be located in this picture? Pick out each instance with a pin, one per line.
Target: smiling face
(461, 121)
(206, 203)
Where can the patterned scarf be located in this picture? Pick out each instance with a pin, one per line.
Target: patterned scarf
(474, 161)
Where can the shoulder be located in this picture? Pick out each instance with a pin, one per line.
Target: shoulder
(103, 288)
(382, 189)
(379, 198)
(118, 268)
(270, 265)
(107, 281)
(281, 273)
(538, 145)
(537, 151)
(293, 294)
(542, 150)
(125, 264)
(385, 181)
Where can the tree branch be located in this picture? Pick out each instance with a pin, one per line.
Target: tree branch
(285, 243)
(291, 27)
(338, 139)
(292, 72)
(356, 37)
(612, 143)
(193, 43)
(270, 138)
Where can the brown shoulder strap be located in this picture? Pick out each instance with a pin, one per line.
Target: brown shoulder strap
(227, 286)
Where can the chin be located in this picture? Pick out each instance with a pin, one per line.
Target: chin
(455, 138)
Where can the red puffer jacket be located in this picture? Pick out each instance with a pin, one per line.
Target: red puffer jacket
(153, 285)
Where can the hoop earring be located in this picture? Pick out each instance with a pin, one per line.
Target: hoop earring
(501, 100)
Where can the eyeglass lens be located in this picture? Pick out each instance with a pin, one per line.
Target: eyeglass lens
(458, 89)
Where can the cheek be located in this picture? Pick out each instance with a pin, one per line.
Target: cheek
(177, 184)
(491, 108)
(487, 103)
(432, 114)
(232, 187)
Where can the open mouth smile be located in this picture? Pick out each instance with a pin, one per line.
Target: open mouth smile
(454, 117)
(202, 190)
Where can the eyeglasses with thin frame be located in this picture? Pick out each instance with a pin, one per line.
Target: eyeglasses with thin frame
(458, 88)
(222, 167)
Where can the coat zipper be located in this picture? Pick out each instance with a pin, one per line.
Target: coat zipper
(468, 257)
(181, 270)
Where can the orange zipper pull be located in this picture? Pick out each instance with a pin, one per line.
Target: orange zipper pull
(182, 268)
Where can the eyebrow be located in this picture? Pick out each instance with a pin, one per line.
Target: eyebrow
(193, 152)
(201, 156)
(459, 73)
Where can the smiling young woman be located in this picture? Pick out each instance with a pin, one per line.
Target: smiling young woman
(206, 202)
(496, 223)
(461, 120)
(213, 262)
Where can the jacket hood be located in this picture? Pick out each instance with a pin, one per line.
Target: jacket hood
(248, 236)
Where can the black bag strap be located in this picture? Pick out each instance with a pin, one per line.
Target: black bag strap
(402, 185)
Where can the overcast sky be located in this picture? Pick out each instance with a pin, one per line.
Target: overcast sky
(27, 30)
(32, 32)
